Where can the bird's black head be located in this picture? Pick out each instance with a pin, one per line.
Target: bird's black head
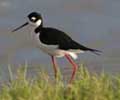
(34, 18)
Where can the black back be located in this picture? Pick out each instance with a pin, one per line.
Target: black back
(52, 36)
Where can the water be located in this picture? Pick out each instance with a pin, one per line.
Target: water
(94, 23)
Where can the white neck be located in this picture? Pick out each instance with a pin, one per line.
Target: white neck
(39, 22)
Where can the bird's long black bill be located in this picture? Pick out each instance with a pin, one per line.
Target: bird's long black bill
(20, 27)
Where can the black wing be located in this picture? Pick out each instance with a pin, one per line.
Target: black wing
(51, 36)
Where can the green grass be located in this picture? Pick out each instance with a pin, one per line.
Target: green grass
(86, 86)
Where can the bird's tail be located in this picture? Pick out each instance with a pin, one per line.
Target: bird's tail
(97, 52)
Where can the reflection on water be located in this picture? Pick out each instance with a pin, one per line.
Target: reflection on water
(94, 23)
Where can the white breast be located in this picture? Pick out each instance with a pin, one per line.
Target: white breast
(49, 49)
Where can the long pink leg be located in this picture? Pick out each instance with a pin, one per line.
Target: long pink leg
(54, 65)
(74, 67)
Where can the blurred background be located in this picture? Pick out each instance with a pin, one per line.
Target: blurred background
(93, 23)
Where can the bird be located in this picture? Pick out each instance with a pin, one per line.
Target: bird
(55, 43)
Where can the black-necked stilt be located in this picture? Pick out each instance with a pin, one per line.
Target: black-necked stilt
(55, 42)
